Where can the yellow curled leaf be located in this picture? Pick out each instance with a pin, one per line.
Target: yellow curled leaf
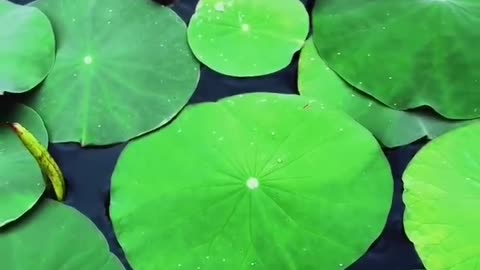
(47, 164)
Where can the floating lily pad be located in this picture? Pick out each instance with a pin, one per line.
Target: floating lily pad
(247, 37)
(27, 47)
(391, 127)
(270, 186)
(55, 236)
(123, 68)
(21, 180)
(442, 192)
(405, 53)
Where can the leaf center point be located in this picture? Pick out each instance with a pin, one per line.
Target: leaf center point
(87, 60)
(252, 183)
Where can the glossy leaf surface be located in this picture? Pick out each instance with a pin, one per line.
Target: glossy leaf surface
(405, 53)
(21, 180)
(442, 191)
(391, 127)
(270, 187)
(55, 236)
(27, 47)
(247, 37)
(117, 70)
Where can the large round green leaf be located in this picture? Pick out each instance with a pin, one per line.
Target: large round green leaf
(391, 127)
(261, 180)
(442, 197)
(123, 68)
(247, 37)
(55, 236)
(21, 180)
(27, 47)
(406, 53)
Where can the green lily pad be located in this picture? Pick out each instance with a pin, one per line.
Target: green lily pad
(442, 192)
(405, 53)
(21, 180)
(123, 68)
(391, 127)
(269, 186)
(247, 37)
(55, 236)
(27, 47)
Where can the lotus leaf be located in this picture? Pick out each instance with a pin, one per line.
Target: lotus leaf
(55, 236)
(259, 180)
(442, 191)
(27, 47)
(405, 53)
(391, 127)
(117, 70)
(247, 37)
(21, 180)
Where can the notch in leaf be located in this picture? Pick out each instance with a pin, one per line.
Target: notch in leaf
(166, 2)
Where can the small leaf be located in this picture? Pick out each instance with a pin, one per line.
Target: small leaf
(45, 161)
(249, 37)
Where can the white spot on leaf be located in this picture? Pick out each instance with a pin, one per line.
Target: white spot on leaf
(252, 183)
(220, 6)
(87, 60)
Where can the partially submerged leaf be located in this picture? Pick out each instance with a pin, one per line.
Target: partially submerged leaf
(391, 127)
(55, 236)
(247, 37)
(405, 53)
(259, 181)
(27, 47)
(44, 160)
(442, 198)
(123, 68)
(21, 180)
